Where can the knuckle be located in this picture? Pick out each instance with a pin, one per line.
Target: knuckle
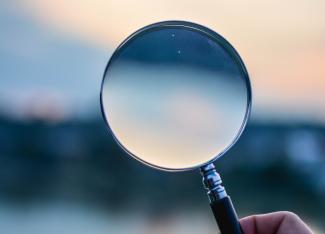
(290, 215)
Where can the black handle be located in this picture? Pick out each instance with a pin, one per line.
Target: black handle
(226, 216)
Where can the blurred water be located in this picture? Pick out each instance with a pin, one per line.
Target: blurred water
(66, 218)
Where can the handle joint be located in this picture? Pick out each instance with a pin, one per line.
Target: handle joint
(212, 183)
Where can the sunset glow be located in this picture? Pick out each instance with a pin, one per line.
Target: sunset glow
(283, 47)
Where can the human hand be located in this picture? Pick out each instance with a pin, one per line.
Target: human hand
(282, 222)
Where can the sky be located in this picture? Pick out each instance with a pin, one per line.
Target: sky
(53, 53)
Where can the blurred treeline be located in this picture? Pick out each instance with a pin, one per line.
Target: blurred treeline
(277, 166)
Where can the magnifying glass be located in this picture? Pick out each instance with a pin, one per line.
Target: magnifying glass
(176, 96)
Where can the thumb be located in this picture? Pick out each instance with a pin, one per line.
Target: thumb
(282, 222)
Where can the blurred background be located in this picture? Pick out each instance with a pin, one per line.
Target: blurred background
(61, 171)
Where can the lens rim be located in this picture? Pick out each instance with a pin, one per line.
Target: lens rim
(215, 37)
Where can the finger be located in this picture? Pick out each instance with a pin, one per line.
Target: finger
(266, 223)
(278, 222)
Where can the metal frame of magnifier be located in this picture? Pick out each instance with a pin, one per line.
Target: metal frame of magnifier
(219, 200)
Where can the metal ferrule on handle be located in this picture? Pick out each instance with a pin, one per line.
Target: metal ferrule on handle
(220, 202)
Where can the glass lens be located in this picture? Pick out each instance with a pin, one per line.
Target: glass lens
(175, 95)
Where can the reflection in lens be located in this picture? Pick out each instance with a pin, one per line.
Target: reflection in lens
(174, 97)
